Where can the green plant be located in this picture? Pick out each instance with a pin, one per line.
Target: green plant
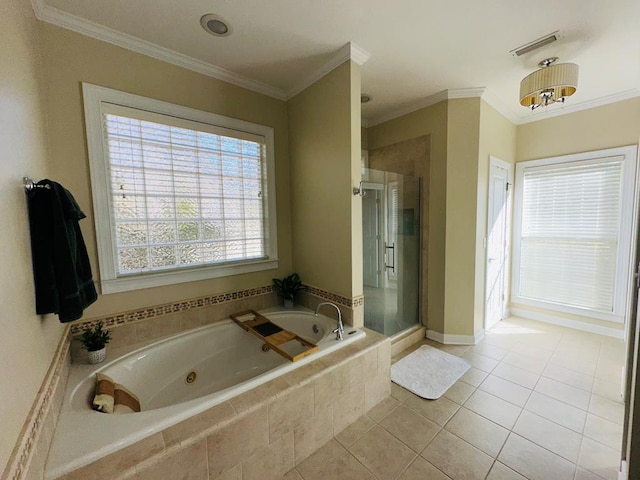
(288, 287)
(95, 338)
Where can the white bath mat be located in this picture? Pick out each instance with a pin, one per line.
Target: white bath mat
(428, 372)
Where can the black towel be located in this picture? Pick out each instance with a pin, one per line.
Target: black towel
(61, 269)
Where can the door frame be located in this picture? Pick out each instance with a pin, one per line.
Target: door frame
(495, 161)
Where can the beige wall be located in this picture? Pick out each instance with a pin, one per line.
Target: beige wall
(431, 121)
(498, 139)
(357, 287)
(612, 125)
(324, 147)
(463, 136)
(28, 341)
(69, 59)
(609, 126)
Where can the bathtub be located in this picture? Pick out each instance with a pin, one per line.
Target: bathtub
(227, 361)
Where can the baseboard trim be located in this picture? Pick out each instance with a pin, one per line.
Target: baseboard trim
(564, 322)
(623, 474)
(20, 462)
(453, 339)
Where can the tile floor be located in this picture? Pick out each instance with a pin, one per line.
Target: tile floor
(539, 402)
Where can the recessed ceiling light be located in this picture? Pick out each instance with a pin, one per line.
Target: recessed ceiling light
(215, 25)
(365, 98)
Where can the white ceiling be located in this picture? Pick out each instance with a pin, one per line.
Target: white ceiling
(417, 48)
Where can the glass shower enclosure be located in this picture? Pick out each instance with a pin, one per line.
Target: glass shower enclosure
(391, 251)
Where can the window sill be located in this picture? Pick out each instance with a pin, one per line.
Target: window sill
(159, 279)
(560, 308)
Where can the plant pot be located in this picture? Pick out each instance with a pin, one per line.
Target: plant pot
(288, 303)
(97, 356)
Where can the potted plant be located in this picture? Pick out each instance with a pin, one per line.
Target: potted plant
(94, 341)
(288, 288)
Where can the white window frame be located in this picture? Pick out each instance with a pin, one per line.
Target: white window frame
(94, 99)
(626, 214)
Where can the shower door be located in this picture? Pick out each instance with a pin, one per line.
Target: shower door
(391, 251)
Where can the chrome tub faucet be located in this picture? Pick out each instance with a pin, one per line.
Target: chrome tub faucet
(339, 330)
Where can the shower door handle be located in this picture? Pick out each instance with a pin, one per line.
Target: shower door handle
(393, 256)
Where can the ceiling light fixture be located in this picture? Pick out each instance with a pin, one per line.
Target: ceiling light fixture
(215, 25)
(554, 82)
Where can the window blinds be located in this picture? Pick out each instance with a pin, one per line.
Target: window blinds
(184, 194)
(570, 233)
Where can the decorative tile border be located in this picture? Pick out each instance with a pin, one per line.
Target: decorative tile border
(22, 454)
(168, 308)
(347, 302)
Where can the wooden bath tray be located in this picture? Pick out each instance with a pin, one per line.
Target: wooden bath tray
(271, 334)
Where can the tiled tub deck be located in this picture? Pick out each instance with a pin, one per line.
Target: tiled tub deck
(265, 432)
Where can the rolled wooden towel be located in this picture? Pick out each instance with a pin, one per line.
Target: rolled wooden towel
(111, 397)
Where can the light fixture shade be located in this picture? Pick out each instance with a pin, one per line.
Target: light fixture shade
(560, 80)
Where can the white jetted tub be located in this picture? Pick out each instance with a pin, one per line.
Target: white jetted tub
(226, 360)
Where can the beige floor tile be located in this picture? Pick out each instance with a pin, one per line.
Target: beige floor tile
(400, 393)
(459, 392)
(585, 368)
(528, 349)
(383, 454)
(457, 458)
(333, 462)
(292, 475)
(599, 459)
(456, 350)
(557, 411)
(420, 469)
(582, 474)
(563, 392)
(488, 350)
(603, 431)
(383, 409)
(474, 377)
(530, 364)
(608, 389)
(353, 432)
(478, 431)
(607, 409)
(480, 362)
(534, 462)
(438, 411)
(502, 472)
(550, 435)
(608, 369)
(410, 427)
(506, 390)
(564, 375)
(493, 408)
(516, 375)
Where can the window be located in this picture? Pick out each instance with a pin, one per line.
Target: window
(179, 194)
(573, 233)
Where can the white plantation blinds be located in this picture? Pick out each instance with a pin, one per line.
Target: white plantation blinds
(183, 193)
(570, 233)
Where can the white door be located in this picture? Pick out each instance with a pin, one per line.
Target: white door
(497, 240)
(371, 241)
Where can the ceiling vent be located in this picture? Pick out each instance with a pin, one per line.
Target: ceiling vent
(539, 43)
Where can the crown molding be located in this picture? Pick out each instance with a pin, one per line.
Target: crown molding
(454, 93)
(349, 51)
(62, 19)
(450, 94)
(577, 107)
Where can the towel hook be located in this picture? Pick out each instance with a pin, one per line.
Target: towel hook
(30, 185)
